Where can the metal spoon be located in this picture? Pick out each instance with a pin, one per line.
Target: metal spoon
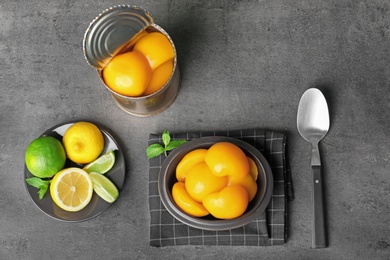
(313, 124)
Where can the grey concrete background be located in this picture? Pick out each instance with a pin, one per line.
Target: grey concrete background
(244, 64)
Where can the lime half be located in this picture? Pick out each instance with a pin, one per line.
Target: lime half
(103, 187)
(102, 164)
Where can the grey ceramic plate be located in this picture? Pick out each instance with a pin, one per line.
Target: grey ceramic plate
(257, 206)
(97, 205)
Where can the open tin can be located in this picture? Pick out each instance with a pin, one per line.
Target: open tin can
(110, 34)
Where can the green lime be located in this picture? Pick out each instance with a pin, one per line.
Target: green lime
(102, 164)
(45, 156)
(103, 187)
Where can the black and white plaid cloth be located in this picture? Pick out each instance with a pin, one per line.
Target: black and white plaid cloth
(269, 229)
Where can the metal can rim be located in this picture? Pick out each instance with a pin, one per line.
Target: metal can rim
(88, 55)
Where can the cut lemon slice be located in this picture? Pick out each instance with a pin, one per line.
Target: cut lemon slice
(102, 164)
(71, 189)
(104, 187)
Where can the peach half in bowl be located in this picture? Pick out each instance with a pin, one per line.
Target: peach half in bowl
(256, 206)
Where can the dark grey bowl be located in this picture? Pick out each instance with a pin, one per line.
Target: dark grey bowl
(257, 206)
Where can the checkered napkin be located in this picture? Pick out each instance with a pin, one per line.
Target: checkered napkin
(270, 228)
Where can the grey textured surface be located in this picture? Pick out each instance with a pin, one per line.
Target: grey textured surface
(244, 64)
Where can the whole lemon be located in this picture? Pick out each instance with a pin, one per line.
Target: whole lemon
(45, 156)
(83, 142)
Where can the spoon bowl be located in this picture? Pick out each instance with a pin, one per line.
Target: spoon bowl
(313, 116)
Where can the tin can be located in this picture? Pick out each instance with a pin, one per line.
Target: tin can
(109, 34)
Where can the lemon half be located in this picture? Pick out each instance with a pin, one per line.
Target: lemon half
(71, 189)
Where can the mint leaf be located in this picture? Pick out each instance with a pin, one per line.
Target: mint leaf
(40, 184)
(42, 191)
(154, 150)
(166, 137)
(36, 182)
(174, 144)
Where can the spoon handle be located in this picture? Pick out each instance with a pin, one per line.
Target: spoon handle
(319, 234)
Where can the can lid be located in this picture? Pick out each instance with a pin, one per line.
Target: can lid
(111, 31)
